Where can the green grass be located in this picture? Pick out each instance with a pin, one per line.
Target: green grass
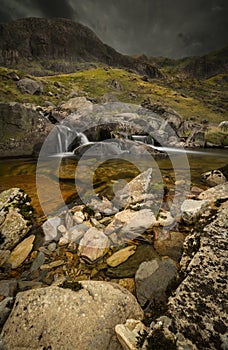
(202, 99)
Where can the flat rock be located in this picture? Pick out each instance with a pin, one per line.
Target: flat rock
(94, 245)
(21, 252)
(121, 256)
(152, 279)
(192, 209)
(65, 319)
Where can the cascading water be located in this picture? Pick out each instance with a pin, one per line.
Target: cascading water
(68, 139)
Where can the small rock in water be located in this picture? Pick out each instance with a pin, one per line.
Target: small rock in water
(50, 229)
(79, 217)
(52, 246)
(39, 260)
(121, 256)
(94, 245)
(21, 252)
(8, 288)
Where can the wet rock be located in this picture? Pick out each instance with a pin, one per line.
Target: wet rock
(94, 245)
(15, 217)
(192, 209)
(21, 252)
(128, 268)
(135, 191)
(129, 333)
(79, 217)
(130, 224)
(86, 321)
(197, 310)
(30, 86)
(5, 308)
(213, 178)
(217, 193)
(50, 229)
(121, 256)
(8, 288)
(152, 279)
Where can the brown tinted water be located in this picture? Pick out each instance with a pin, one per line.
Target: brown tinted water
(109, 175)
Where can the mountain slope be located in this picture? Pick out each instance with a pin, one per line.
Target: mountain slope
(60, 45)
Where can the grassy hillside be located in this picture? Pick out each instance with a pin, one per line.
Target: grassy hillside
(202, 99)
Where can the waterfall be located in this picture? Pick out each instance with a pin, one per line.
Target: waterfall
(68, 139)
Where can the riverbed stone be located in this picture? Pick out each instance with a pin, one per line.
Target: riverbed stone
(129, 333)
(192, 209)
(66, 319)
(38, 261)
(94, 245)
(21, 252)
(8, 287)
(121, 256)
(15, 217)
(152, 279)
(50, 229)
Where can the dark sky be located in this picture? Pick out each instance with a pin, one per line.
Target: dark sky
(172, 28)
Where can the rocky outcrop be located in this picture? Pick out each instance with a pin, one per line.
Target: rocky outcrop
(22, 130)
(30, 86)
(213, 178)
(59, 45)
(82, 318)
(196, 317)
(15, 217)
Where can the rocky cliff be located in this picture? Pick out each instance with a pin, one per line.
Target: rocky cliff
(60, 45)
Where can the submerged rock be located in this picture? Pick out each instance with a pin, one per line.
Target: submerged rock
(152, 279)
(65, 319)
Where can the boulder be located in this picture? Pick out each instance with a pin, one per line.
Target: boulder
(197, 315)
(213, 178)
(152, 279)
(65, 319)
(22, 130)
(15, 217)
(30, 86)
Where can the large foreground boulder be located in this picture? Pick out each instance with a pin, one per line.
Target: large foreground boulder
(197, 312)
(56, 318)
(22, 130)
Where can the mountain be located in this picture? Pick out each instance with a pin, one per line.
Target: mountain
(202, 67)
(60, 45)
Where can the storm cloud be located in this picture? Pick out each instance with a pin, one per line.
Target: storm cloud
(154, 27)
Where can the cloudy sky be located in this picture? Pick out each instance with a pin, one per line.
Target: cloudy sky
(172, 28)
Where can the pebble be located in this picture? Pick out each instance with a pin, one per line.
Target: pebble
(121, 256)
(79, 217)
(4, 256)
(39, 260)
(52, 246)
(52, 265)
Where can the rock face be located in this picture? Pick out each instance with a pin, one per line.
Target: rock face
(15, 217)
(22, 130)
(40, 39)
(197, 316)
(66, 319)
